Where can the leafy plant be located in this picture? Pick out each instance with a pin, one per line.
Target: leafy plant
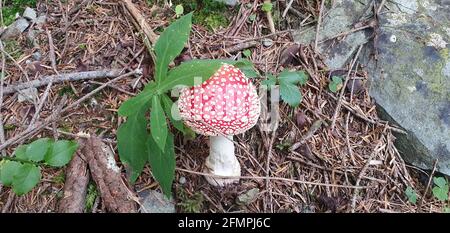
(136, 144)
(267, 6)
(288, 81)
(193, 204)
(247, 53)
(440, 191)
(411, 194)
(336, 84)
(23, 171)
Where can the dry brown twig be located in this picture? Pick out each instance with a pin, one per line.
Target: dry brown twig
(70, 77)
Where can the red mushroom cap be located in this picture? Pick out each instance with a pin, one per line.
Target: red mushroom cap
(226, 103)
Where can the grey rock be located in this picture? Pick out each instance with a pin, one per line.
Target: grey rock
(37, 56)
(29, 94)
(229, 2)
(247, 197)
(155, 202)
(41, 20)
(267, 42)
(410, 81)
(29, 14)
(15, 29)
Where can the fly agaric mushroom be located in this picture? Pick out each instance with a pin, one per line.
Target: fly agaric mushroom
(224, 105)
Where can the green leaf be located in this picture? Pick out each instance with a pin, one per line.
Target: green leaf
(131, 143)
(187, 72)
(335, 84)
(293, 77)
(167, 104)
(269, 81)
(247, 68)
(170, 44)
(20, 152)
(135, 104)
(158, 123)
(440, 182)
(446, 209)
(290, 94)
(411, 194)
(440, 191)
(60, 153)
(252, 17)
(267, 7)
(162, 163)
(26, 178)
(7, 171)
(247, 53)
(37, 150)
(179, 10)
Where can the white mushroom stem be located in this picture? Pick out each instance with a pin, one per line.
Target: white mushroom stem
(222, 161)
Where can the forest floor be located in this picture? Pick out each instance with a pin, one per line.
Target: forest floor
(319, 158)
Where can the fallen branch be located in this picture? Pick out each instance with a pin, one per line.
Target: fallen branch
(115, 195)
(62, 78)
(75, 187)
(137, 16)
(29, 132)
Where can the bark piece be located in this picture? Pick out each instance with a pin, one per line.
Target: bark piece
(75, 187)
(116, 196)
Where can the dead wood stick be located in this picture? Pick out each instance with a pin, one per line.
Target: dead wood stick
(319, 21)
(341, 94)
(27, 133)
(377, 149)
(424, 196)
(62, 78)
(75, 187)
(270, 18)
(240, 47)
(115, 195)
(141, 21)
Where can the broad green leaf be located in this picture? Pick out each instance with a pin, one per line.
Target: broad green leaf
(187, 72)
(179, 10)
(20, 152)
(131, 143)
(267, 7)
(7, 171)
(335, 84)
(411, 194)
(446, 209)
(60, 153)
(270, 81)
(441, 193)
(162, 163)
(440, 181)
(247, 53)
(158, 123)
(38, 149)
(26, 178)
(170, 44)
(247, 68)
(135, 104)
(290, 94)
(167, 104)
(293, 77)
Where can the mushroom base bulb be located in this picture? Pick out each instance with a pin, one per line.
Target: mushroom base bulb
(221, 161)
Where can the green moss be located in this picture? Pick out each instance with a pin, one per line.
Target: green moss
(60, 178)
(13, 7)
(190, 204)
(91, 196)
(12, 47)
(208, 13)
